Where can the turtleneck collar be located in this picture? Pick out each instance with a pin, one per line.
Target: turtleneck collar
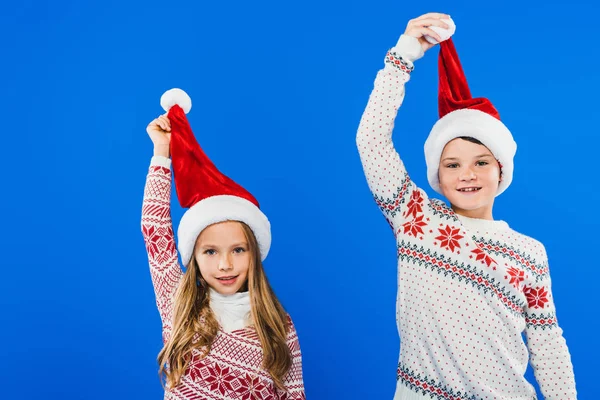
(232, 311)
(485, 225)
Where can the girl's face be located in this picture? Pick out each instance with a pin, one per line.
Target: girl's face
(469, 175)
(223, 257)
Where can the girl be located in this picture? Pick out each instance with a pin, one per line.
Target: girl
(468, 285)
(225, 334)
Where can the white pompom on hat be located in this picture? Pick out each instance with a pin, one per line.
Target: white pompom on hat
(176, 96)
(444, 33)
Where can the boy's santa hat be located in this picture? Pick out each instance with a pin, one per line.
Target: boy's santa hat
(209, 195)
(463, 115)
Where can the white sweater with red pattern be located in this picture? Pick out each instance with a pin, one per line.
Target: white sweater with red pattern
(232, 369)
(467, 288)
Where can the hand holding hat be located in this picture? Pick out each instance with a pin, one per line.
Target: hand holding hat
(430, 29)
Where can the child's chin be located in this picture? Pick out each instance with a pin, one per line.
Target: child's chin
(225, 290)
(467, 205)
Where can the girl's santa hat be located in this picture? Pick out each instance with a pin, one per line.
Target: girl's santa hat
(209, 195)
(463, 115)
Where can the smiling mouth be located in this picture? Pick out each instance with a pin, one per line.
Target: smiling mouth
(469, 189)
(227, 278)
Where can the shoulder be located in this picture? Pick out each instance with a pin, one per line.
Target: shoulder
(292, 340)
(440, 210)
(290, 327)
(529, 243)
(439, 204)
(289, 322)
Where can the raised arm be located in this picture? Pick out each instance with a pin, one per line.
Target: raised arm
(157, 227)
(549, 355)
(386, 175)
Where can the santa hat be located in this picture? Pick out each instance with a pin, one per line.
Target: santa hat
(463, 115)
(209, 195)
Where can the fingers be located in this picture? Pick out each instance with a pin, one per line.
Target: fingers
(421, 31)
(432, 15)
(161, 122)
(164, 123)
(428, 22)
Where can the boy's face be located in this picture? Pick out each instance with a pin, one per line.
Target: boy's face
(469, 176)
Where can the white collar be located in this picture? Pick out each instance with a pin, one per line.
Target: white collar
(232, 311)
(482, 225)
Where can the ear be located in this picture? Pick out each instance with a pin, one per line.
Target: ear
(500, 170)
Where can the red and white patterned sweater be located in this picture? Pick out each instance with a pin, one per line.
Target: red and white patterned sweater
(232, 369)
(467, 288)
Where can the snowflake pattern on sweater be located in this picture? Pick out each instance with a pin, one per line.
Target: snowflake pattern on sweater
(467, 288)
(233, 367)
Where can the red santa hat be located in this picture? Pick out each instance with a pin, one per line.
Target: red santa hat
(209, 195)
(463, 115)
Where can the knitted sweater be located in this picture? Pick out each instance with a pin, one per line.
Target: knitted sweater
(233, 367)
(467, 288)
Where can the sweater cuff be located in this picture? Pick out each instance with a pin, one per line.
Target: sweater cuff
(409, 48)
(160, 161)
(398, 62)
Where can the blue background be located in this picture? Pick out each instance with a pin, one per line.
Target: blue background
(278, 91)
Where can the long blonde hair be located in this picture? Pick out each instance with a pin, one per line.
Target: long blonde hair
(195, 325)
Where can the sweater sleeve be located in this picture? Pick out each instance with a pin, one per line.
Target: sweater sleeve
(549, 355)
(294, 381)
(157, 230)
(386, 175)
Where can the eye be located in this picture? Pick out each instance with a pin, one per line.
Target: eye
(239, 250)
(453, 165)
(482, 163)
(210, 252)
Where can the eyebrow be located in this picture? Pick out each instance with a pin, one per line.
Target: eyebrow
(209, 245)
(456, 159)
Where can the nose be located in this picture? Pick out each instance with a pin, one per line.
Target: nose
(467, 174)
(225, 262)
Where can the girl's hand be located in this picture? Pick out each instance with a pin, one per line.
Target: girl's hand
(159, 131)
